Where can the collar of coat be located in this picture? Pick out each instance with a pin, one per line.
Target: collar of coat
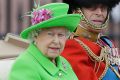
(45, 62)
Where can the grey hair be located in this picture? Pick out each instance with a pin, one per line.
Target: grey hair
(33, 34)
(68, 34)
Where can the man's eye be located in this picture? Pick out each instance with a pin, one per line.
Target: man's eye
(104, 8)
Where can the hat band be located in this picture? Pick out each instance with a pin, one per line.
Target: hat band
(40, 16)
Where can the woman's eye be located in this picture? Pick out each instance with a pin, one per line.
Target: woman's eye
(50, 34)
(61, 35)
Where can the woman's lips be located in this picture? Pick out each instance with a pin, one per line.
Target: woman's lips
(54, 48)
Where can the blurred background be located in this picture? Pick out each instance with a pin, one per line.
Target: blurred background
(12, 10)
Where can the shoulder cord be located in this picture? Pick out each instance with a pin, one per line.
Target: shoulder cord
(95, 58)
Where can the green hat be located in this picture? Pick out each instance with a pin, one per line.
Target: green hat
(52, 15)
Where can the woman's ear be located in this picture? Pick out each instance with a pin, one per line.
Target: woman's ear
(35, 40)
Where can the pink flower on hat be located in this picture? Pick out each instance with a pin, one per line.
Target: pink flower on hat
(40, 16)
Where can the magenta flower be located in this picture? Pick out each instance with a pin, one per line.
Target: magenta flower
(40, 15)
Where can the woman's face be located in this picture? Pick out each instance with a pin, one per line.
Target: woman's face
(51, 41)
(96, 14)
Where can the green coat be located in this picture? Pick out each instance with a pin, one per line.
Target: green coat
(32, 65)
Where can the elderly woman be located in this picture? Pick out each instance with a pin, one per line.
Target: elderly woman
(51, 26)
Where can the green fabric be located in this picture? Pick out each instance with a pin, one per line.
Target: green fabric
(33, 65)
(60, 18)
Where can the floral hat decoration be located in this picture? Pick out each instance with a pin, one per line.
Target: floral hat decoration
(51, 15)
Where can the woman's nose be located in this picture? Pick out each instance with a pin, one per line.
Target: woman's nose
(56, 39)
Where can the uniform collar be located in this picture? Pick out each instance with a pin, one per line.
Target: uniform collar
(44, 61)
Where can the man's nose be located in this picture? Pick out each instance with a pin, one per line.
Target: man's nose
(99, 11)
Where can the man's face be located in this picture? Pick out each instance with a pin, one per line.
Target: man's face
(96, 14)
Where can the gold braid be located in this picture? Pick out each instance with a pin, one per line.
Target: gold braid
(102, 57)
(106, 67)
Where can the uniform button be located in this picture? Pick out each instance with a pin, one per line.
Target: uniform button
(60, 74)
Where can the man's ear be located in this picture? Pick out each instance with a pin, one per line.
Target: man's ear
(75, 11)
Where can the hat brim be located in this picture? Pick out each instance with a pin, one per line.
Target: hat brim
(68, 21)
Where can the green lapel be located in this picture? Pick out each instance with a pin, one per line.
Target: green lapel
(44, 61)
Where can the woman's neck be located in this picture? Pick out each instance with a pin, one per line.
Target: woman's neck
(84, 32)
(53, 61)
